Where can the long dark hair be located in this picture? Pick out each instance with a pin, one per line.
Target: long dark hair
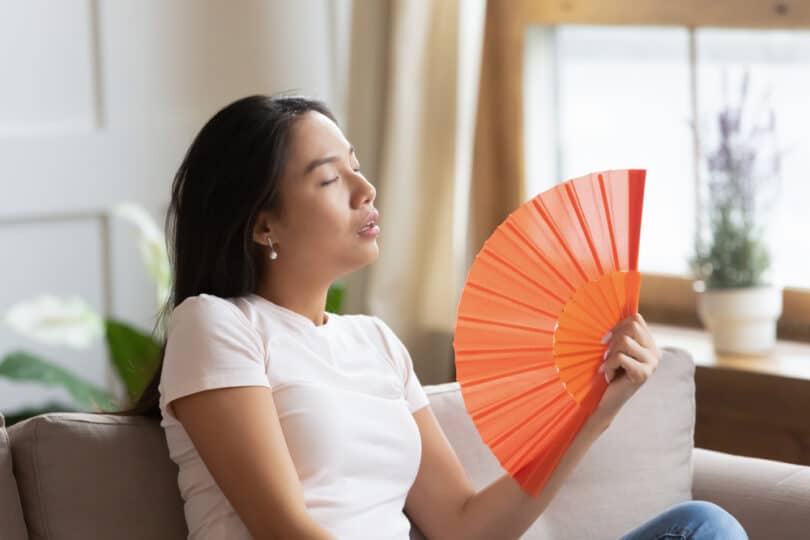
(229, 174)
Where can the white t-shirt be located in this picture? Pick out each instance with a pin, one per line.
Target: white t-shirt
(344, 391)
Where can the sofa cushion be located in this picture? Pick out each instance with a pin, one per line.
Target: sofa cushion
(83, 475)
(11, 516)
(636, 469)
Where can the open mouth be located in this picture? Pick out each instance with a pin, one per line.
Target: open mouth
(371, 223)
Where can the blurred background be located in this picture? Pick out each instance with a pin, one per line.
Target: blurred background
(460, 111)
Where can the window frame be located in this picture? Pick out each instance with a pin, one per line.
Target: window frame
(664, 298)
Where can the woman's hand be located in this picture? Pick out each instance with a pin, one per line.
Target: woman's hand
(631, 357)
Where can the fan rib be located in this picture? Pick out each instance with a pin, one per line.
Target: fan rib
(585, 343)
(542, 256)
(502, 296)
(479, 350)
(472, 381)
(574, 198)
(518, 425)
(582, 322)
(544, 214)
(593, 350)
(503, 324)
(483, 412)
(606, 203)
(635, 210)
(540, 435)
(576, 364)
(488, 251)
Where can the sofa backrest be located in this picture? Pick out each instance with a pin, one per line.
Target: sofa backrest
(637, 468)
(102, 476)
(86, 476)
(12, 524)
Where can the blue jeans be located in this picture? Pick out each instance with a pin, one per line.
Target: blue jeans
(690, 520)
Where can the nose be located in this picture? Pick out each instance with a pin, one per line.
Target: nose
(365, 192)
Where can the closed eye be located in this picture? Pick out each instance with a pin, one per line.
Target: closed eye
(327, 182)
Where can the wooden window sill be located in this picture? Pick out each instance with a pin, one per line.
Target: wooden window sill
(788, 359)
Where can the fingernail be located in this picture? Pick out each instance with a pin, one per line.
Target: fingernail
(607, 378)
(606, 337)
(604, 355)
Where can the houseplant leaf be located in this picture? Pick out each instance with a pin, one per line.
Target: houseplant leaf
(334, 298)
(22, 366)
(134, 354)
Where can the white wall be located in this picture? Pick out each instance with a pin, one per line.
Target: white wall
(99, 99)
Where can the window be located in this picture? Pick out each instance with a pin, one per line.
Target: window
(626, 96)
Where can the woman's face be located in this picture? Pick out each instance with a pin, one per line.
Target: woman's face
(325, 201)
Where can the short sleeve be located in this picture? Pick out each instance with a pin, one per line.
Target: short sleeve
(413, 392)
(210, 344)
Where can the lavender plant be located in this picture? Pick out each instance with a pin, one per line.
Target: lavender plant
(743, 169)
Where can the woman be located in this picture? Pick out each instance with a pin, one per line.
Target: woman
(268, 208)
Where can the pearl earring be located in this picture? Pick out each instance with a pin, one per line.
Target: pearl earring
(273, 253)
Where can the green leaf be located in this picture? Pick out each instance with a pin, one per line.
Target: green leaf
(334, 298)
(24, 414)
(134, 354)
(22, 366)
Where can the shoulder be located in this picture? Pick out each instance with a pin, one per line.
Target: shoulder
(208, 313)
(207, 307)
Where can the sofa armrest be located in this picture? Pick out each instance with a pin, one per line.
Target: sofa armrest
(771, 499)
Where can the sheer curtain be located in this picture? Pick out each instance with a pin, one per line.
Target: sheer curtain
(411, 113)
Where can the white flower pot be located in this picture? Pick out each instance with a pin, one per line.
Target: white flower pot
(741, 320)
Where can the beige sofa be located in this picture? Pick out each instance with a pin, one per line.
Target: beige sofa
(80, 476)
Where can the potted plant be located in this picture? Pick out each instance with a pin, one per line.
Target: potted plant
(737, 301)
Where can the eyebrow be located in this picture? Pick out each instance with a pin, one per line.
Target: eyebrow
(315, 163)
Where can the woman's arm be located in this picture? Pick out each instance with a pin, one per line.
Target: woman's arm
(444, 505)
(237, 433)
(504, 510)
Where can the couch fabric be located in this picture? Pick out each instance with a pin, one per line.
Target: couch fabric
(769, 498)
(83, 476)
(12, 525)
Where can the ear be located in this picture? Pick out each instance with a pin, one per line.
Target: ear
(262, 229)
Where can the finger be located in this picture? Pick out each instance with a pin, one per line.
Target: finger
(635, 327)
(637, 372)
(626, 345)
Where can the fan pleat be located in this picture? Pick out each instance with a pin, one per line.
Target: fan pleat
(531, 223)
(499, 433)
(551, 426)
(491, 268)
(484, 394)
(583, 226)
(587, 195)
(549, 282)
(539, 203)
(486, 294)
(521, 240)
(502, 376)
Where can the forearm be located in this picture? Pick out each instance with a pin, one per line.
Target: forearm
(504, 510)
(304, 529)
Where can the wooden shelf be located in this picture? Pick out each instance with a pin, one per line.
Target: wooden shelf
(788, 359)
(756, 406)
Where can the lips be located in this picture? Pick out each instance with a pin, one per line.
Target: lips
(370, 221)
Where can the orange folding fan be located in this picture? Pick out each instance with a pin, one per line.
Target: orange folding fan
(552, 279)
